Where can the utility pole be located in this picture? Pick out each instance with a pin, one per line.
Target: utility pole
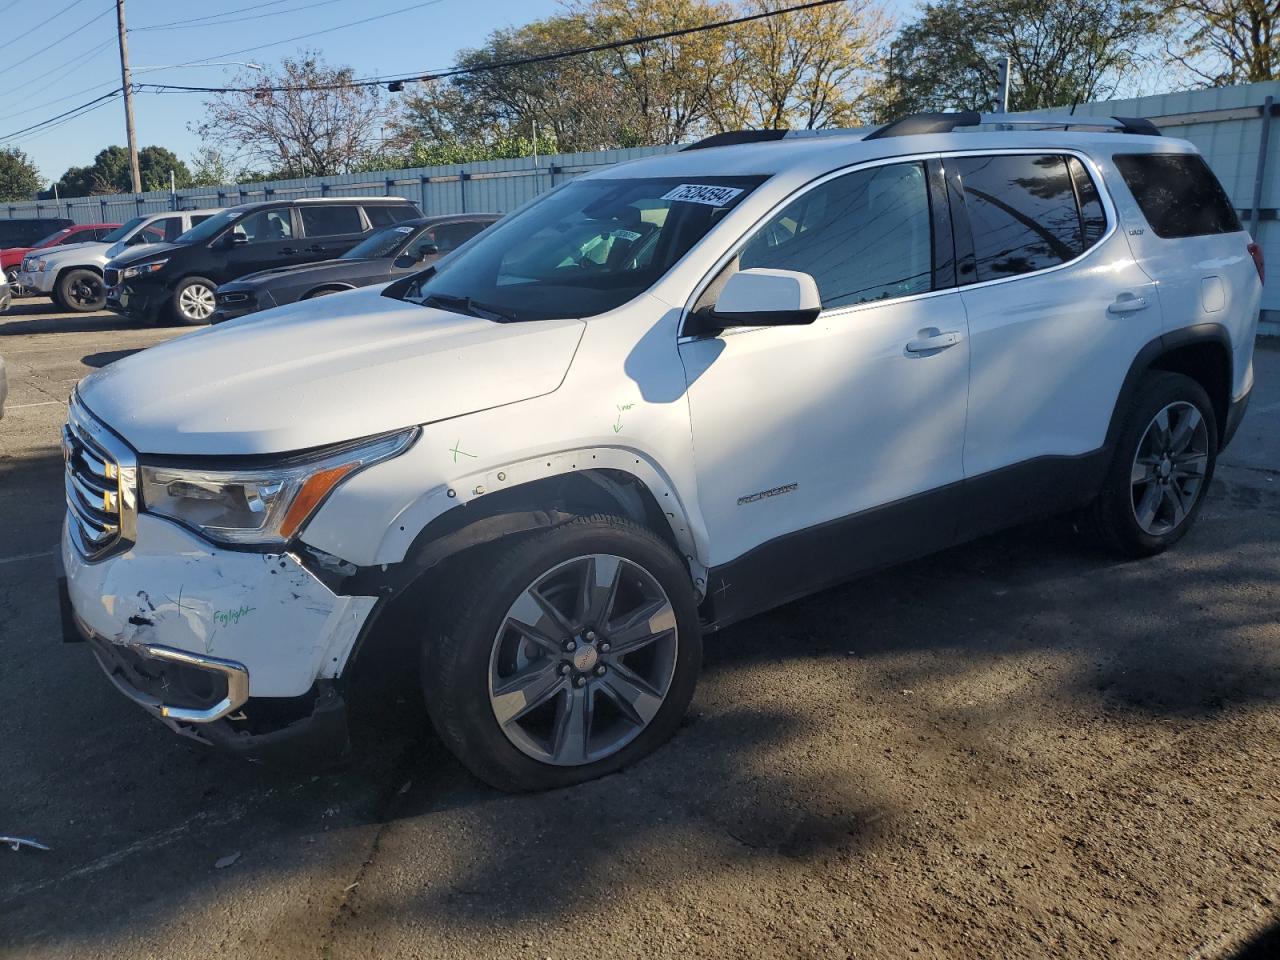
(126, 83)
(1002, 81)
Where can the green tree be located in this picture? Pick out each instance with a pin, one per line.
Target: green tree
(19, 177)
(1060, 54)
(109, 172)
(1229, 41)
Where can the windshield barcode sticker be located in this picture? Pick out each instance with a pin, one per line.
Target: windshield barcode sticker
(699, 193)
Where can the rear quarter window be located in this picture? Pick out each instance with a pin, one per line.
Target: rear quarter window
(1178, 194)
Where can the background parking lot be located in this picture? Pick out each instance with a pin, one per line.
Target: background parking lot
(1019, 747)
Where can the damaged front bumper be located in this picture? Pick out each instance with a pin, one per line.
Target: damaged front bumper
(239, 650)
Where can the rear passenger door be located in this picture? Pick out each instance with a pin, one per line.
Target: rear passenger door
(329, 229)
(1057, 309)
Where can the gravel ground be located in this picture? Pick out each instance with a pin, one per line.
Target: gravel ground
(1018, 748)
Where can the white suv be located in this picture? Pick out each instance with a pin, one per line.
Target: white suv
(72, 275)
(659, 399)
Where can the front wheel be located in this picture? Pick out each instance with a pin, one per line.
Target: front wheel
(81, 291)
(569, 654)
(15, 288)
(194, 301)
(1161, 468)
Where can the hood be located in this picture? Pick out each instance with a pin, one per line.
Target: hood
(73, 251)
(146, 251)
(324, 371)
(300, 270)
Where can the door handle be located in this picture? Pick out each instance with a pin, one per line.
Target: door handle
(931, 339)
(1127, 303)
(315, 248)
(288, 249)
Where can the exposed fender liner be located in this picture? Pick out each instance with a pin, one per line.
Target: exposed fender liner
(536, 505)
(1200, 333)
(332, 285)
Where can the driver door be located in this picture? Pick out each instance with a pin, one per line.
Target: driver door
(826, 449)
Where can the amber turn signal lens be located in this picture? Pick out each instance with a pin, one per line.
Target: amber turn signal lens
(315, 489)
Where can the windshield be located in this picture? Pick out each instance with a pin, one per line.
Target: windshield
(52, 238)
(119, 233)
(209, 228)
(380, 245)
(582, 250)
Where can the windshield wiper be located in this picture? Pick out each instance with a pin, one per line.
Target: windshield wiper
(466, 305)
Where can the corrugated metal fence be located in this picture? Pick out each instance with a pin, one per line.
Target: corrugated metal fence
(491, 185)
(1226, 124)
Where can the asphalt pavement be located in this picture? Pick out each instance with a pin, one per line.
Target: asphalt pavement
(1017, 748)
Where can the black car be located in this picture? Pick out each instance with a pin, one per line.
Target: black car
(178, 280)
(25, 233)
(387, 254)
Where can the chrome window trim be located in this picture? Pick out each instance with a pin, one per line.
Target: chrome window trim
(1090, 165)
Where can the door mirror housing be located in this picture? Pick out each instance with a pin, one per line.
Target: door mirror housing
(427, 250)
(759, 297)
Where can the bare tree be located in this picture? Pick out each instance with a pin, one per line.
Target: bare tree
(1229, 41)
(312, 126)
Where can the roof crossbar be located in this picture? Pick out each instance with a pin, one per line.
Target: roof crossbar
(918, 123)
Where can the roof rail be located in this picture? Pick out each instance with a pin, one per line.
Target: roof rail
(732, 137)
(918, 123)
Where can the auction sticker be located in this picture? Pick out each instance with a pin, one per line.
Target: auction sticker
(700, 193)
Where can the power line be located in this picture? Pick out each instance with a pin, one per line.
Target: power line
(73, 3)
(316, 33)
(79, 60)
(89, 103)
(203, 21)
(62, 99)
(486, 67)
(17, 63)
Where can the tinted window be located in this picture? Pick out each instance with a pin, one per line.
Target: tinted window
(265, 226)
(172, 227)
(1178, 194)
(865, 236)
(450, 236)
(122, 231)
(151, 233)
(1023, 213)
(1093, 220)
(101, 233)
(379, 245)
(59, 237)
(330, 221)
(583, 249)
(386, 216)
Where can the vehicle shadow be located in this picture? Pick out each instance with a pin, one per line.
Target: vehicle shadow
(1264, 946)
(751, 779)
(100, 360)
(38, 315)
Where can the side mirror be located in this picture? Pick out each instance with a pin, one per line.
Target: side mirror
(767, 298)
(237, 239)
(427, 250)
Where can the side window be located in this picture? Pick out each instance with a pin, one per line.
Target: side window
(330, 220)
(864, 236)
(450, 236)
(172, 227)
(385, 216)
(151, 233)
(1093, 220)
(100, 233)
(1178, 194)
(200, 218)
(1023, 212)
(265, 226)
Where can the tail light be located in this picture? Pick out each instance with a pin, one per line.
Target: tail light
(1255, 251)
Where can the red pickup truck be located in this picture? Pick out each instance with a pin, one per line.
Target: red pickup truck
(11, 258)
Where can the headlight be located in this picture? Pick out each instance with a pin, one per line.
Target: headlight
(266, 505)
(142, 269)
(40, 266)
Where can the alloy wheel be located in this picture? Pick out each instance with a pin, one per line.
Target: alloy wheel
(196, 302)
(1169, 468)
(15, 288)
(583, 660)
(87, 292)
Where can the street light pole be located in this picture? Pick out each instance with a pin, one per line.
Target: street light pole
(126, 83)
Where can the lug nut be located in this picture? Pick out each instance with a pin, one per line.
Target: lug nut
(564, 669)
(600, 670)
(579, 681)
(591, 636)
(570, 646)
(604, 647)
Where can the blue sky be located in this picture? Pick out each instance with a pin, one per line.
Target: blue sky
(86, 64)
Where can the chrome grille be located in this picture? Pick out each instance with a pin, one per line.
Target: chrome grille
(100, 480)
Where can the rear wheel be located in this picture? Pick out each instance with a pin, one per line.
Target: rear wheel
(80, 290)
(1161, 469)
(194, 301)
(570, 654)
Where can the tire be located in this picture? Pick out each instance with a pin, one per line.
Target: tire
(475, 665)
(193, 302)
(81, 291)
(1161, 469)
(15, 288)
